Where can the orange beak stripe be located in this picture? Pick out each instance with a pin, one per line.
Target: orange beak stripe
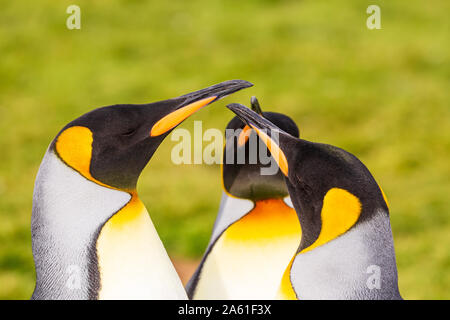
(275, 150)
(243, 136)
(173, 119)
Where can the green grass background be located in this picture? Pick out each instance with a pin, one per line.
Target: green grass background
(380, 94)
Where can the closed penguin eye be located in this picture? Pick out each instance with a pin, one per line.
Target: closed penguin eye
(129, 132)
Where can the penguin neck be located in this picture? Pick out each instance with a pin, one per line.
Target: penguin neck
(132, 260)
(68, 212)
(359, 264)
(249, 250)
(90, 241)
(304, 204)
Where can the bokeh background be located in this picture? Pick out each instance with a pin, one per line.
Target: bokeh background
(381, 94)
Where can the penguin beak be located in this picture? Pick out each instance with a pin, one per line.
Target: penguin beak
(245, 133)
(269, 133)
(192, 102)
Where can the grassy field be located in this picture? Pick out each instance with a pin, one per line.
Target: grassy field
(380, 94)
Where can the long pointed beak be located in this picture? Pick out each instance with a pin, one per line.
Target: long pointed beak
(194, 101)
(269, 133)
(245, 133)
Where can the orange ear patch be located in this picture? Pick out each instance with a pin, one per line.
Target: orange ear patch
(74, 146)
(340, 212)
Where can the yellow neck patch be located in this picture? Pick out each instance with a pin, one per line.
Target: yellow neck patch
(249, 258)
(286, 291)
(126, 215)
(269, 219)
(132, 261)
(340, 211)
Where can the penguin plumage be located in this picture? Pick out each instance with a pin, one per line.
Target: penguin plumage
(256, 230)
(346, 250)
(92, 237)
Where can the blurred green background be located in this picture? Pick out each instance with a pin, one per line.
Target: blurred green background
(381, 94)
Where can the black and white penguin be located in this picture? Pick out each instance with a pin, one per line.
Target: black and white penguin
(92, 237)
(257, 231)
(346, 250)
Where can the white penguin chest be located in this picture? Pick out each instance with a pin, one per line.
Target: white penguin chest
(133, 263)
(249, 259)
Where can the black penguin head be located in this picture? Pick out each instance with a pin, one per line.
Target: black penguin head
(112, 145)
(330, 188)
(242, 162)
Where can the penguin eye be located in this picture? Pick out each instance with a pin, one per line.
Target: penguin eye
(129, 132)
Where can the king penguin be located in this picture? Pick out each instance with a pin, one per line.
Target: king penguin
(257, 231)
(346, 250)
(92, 237)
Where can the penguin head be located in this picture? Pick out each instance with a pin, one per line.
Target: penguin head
(330, 188)
(112, 145)
(242, 162)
